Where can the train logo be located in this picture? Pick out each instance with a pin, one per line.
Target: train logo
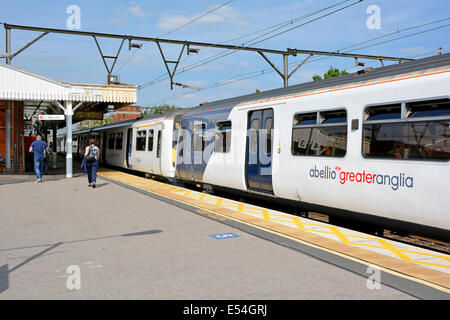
(394, 181)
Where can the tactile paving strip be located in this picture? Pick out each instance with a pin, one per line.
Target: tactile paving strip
(419, 256)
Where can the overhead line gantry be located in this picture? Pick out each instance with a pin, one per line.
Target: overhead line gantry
(285, 74)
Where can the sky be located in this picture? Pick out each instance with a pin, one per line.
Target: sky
(76, 59)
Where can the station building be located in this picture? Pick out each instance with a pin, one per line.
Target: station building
(31, 104)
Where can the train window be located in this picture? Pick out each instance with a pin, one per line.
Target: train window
(158, 145)
(150, 140)
(333, 117)
(111, 139)
(437, 108)
(305, 119)
(423, 133)
(387, 112)
(198, 137)
(140, 140)
(222, 141)
(119, 141)
(268, 136)
(321, 134)
(253, 135)
(180, 145)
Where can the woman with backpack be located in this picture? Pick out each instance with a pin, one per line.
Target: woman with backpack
(91, 155)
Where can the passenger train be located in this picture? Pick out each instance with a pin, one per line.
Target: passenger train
(370, 146)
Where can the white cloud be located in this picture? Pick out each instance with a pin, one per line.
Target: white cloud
(225, 14)
(125, 13)
(190, 96)
(136, 11)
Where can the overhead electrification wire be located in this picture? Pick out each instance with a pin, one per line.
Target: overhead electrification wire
(228, 52)
(272, 36)
(387, 35)
(395, 32)
(195, 19)
(178, 28)
(283, 24)
(407, 36)
(270, 70)
(160, 79)
(253, 42)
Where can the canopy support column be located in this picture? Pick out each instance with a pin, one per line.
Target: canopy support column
(8, 136)
(69, 139)
(54, 146)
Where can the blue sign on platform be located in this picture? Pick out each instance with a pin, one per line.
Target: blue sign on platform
(228, 235)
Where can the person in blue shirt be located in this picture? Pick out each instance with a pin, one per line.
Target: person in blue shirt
(39, 147)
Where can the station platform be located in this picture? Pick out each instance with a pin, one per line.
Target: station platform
(135, 238)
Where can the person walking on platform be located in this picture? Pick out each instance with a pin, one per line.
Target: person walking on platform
(39, 148)
(91, 155)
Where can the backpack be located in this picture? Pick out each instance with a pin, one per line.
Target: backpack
(92, 155)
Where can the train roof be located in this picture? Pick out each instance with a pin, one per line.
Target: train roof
(387, 71)
(132, 121)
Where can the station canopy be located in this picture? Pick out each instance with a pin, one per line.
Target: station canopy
(42, 95)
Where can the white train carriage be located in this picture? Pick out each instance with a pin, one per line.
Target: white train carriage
(372, 147)
(143, 144)
(151, 150)
(375, 148)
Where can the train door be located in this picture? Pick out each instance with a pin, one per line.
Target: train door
(158, 150)
(259, 150)
(103, 144)
(129, 146)
(182, 151)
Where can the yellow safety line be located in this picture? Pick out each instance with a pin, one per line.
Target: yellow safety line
(266, 215)
(393, 272)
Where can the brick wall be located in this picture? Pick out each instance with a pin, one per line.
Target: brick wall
(126, 113)
(16, 108)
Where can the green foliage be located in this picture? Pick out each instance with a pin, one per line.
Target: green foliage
(316, 77)
(145, 111)
(331, 73)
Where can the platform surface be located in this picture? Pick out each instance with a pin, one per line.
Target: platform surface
(129, 243)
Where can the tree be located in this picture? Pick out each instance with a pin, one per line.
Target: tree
(145, 111)
(331, 73)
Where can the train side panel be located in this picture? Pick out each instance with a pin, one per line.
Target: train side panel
(152, 147)
(115, 146)
(407, 190)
